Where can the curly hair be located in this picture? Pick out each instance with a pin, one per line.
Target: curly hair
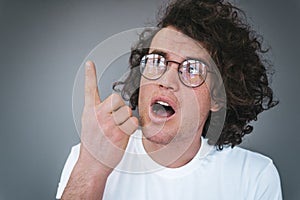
(235, 48)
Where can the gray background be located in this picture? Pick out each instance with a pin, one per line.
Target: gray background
(42, 45)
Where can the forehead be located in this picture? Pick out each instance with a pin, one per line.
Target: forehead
(173, 42)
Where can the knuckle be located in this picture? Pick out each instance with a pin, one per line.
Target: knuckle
(129, 111)
(115, 97)
(134, 122)
(116, 120)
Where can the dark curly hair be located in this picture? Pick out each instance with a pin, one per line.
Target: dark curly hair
(236, 50)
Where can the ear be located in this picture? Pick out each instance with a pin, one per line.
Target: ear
(218, 96)
(215, 106)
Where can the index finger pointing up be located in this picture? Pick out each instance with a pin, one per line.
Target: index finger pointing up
(91, 95)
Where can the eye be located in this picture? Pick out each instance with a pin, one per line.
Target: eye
(195, 67)
(192, 73)
(191, 67)
(152, 66)
(155, 60)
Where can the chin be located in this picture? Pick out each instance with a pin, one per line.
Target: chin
(160, 137)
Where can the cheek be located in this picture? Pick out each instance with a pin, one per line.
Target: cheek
(141, 101)
(203, 98)
(197, 104)
(204, 103)
(144, 94)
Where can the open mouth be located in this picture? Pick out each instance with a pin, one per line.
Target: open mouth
(162, 109)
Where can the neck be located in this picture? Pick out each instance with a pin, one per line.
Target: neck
(175, 154)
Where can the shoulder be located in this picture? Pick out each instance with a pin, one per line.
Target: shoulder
(246, 157)
(253, 163)
(239, 162)
(255, 170)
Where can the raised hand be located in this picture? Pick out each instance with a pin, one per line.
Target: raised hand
(107, 125)
(106, 128)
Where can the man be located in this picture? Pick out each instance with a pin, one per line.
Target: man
(176, 81)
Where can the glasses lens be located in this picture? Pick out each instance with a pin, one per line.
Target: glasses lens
(152, 66)
(192, 72)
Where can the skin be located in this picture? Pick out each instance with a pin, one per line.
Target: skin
(106, 128)
(175, 141)
(107, 125)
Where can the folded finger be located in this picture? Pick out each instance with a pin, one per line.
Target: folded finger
(113, 103)
(121, 115)
(129, 126)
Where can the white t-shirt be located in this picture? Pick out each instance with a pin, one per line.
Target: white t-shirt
(228, 174)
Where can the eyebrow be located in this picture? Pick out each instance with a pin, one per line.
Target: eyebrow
(164, 54)
(156, 51)
(198, 59)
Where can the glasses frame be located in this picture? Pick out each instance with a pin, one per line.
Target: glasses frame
(180, 65)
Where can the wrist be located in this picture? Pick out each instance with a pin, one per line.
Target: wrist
(90, 165)
(87, 180)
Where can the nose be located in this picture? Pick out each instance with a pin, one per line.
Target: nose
(170, 79)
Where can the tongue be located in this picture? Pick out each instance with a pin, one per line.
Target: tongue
(162, 111)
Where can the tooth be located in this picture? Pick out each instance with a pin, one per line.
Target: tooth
(163, 103)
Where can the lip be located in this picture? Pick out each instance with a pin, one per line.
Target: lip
(158, 119)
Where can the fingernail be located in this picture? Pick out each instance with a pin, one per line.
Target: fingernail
(88, 64)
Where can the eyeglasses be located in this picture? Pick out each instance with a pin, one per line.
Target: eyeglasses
(191, 72)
